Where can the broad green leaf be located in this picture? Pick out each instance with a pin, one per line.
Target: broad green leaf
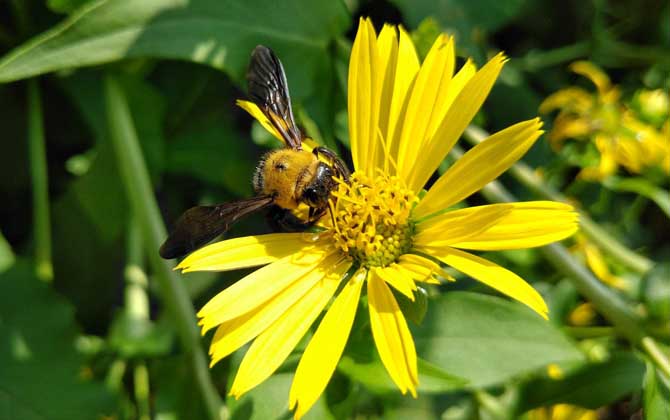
(487, 340)
(219, 33)
(65, 6)
(42, 375)
(214, 152)
(591, 386)
(467, 19)
(656, 395)
(373, 376)
(269, 400)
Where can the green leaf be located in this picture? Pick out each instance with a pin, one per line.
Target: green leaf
(65, 6)
(214, 153)
(374, 377)
(41, 375)
(269, 400)
(656, 396)
(467, 19)
(213, 32)
(591, 386)
(414, 310)
(488, 340)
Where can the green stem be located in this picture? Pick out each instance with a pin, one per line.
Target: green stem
(141, 382)
(588, 332)
(537, 60)
(603, 240)
(137, 307)
(136, 298)
(38, 172)
(656, 354)
(611, 305)
(135, 179)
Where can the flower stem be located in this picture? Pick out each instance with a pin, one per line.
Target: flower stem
(656, 354)
(40, 184)
(137, 307)
(135, 179)
(525, 175)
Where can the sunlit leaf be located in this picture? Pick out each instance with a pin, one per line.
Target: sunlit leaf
(487, 340)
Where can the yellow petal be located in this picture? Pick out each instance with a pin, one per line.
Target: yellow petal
(392, 337)
(421, 269)
(260, 286)
(492, 275)
(273, 346)
(596, 262)
(325, 348)
(248, 251)
(574, 99)
(402, 283)
(568, 127)
(459, 115)
(425, 107)
(458, 225)
(406, 69)
(594, 74)
(256, 112)
(520, 225)
(479, 166)
(234, 333)
(388, 56)
(253, 110)
(364, 89)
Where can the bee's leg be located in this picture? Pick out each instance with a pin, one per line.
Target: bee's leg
(338, 164)
(283, 220)
(315, 214)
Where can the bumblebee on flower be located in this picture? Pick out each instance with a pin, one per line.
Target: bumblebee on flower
(382, 232)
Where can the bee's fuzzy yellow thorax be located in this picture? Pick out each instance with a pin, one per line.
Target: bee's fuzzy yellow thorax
(284, 173)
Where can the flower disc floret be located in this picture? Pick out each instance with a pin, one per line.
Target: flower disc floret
(373, 219)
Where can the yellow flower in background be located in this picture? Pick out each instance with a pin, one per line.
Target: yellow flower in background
(562, 412)
(384, 234)
(616, 130)
(595, 260)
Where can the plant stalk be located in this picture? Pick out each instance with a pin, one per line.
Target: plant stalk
(40, 184)
(135, 179)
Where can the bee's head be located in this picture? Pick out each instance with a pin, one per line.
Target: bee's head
(316, 194)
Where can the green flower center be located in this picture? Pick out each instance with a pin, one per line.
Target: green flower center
(372, 219)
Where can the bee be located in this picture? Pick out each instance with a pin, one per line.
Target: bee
(284, 178)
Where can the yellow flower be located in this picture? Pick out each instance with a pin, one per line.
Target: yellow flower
(562, 412)
(404, 117)
(620, 137)
(596, 262)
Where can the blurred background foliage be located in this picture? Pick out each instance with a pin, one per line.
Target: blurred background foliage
(93, 325)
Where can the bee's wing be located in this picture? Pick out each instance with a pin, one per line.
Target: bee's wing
(199, 225)
(268, 89)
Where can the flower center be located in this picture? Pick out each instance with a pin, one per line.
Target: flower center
(372, 219)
